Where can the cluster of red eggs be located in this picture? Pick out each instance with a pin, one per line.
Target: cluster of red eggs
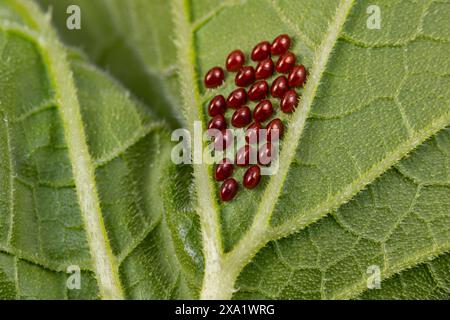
(282, 88)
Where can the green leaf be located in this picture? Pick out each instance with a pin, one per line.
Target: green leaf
(336, 206)
(110, 33)
(80, 177)
(426, 281)
(396, 223)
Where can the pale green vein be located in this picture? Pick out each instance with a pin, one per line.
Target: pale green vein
(11, 179)
(370, 175)
(45, 106)
(122, 147)
(196, 25)
(301, 35)
(66, 96)
(38, 261)
(358, 288)
(400, 43)
(205, 191)
(397, 94)
(131, 247)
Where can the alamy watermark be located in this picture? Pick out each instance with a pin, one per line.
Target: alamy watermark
(374, 277)
(374, 19)
(73, 21)
(74, 280)
(240, 146)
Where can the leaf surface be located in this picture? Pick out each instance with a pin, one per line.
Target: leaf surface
(372, 98)
(81, 168)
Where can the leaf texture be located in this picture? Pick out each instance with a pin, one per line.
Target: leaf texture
(47, 222)
(342, 200)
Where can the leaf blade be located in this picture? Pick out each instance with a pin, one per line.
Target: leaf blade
(409, 114)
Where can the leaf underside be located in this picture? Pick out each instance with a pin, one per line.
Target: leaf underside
(364, 175)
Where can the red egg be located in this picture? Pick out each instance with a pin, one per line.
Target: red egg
(229, 189)
(214, 77)
(286, 62)
(224, 170)
(218, 122)
(237, 98)
(261, 51)
(241, 117)
(275, 124)
(281, 44)
(252, 177)
(258, 91)
(243, 156)
(224, 140)
(217, 106)
(245, 76)
(289, 101)
(264, 69)
(265, 154)
(297, 76)
(252, 133)
(279, 87)
(263, 111)
(235, 61)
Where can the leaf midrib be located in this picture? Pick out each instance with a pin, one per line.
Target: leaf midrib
(61, 77)
(192, 108)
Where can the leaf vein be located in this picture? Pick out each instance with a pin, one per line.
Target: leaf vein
(61, 78)
(193, 111)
